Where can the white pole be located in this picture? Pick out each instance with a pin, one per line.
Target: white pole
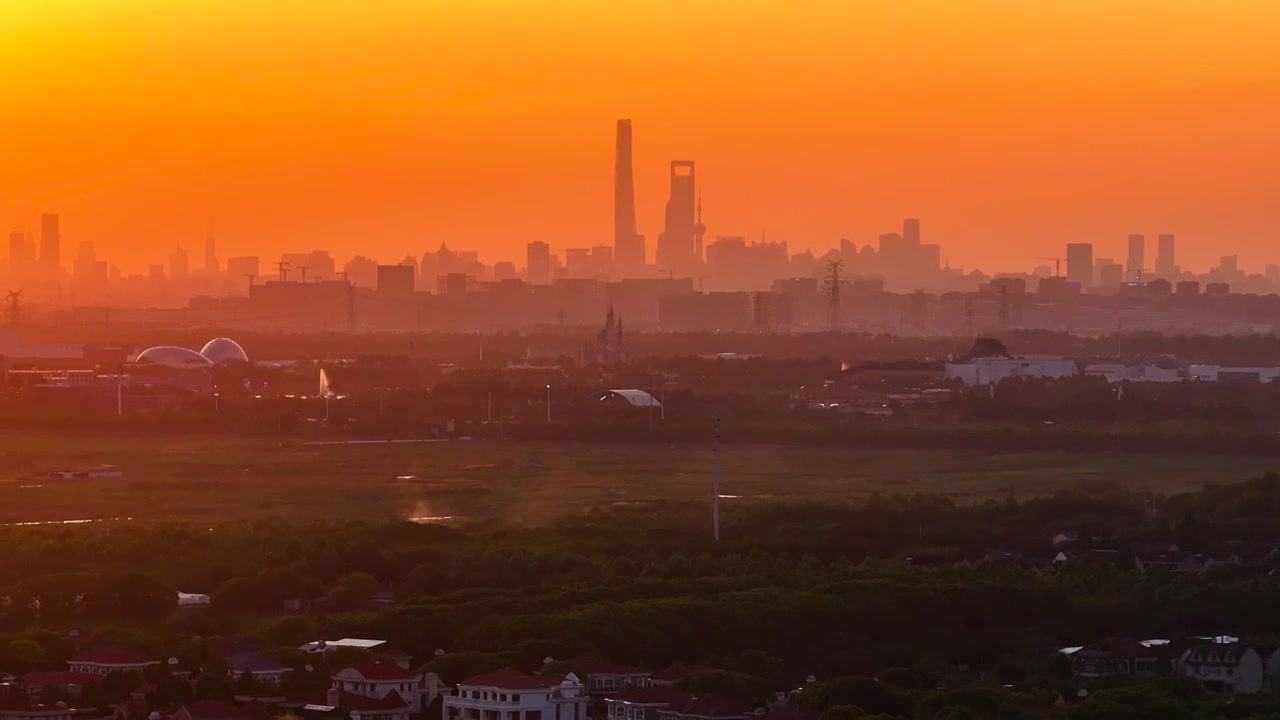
(715, 482)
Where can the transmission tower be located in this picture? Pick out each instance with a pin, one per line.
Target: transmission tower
(14, 307)
(833, 291)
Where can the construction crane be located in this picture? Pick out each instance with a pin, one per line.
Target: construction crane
(1057, 264)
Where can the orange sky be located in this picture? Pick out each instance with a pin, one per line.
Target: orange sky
(1010, 127)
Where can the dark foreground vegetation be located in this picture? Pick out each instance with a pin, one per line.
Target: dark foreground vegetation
(905, 606)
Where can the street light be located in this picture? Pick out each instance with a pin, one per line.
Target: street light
(548, 403)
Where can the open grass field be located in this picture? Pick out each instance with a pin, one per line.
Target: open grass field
(219, 477)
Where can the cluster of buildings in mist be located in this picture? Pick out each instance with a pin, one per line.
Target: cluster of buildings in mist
(681, 281)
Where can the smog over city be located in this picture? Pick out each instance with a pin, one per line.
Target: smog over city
(639, 360)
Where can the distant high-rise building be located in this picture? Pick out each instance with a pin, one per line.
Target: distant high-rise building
(911, 231)
(178, 264)
(244, 266)
(50, 243)
(628, 247)
(395, 279)
(504, 271)
(677, 245)
(85, 261)
(1166, 265)
(1137, 262)
(211, 255)
(1080, 264)
(19, 253)
(1110, 274)
(538, 263)
(1229, 265)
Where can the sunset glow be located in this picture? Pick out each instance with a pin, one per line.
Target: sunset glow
(386, 127)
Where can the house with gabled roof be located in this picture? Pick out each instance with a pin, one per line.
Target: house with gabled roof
(106, 659)
(261, 668)
(1224, 667)
(208, 709)
(644, 703)
(706, 707)
(378, 679)
(509, 694)
(1114, 656)
(603, 678)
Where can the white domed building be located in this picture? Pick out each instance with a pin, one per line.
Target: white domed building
(167, 366)
(169, 356)
(224, 351)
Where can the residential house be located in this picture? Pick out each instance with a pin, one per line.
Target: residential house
(264, 670)
(1066, 538)
(215, 710)
(644, 703)
(393, 654)
(603, 678)
(336, 704)
(379, 680)
(676, 673)
(706, 707)
(73, 682)
(14, 706)
(513, 695)
(1225, 667)
(106, 659)
(1115, 656)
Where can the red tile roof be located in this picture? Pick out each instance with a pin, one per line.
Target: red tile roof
(378, 670)
(61, 678)
(596, 666)
(350, 701)
(112, 655)
(508, 679)
(215, 710)
(656, 695)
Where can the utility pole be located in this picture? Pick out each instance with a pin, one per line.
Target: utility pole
(715, 481)
(284, 270)
(251, 276)
(303, 269)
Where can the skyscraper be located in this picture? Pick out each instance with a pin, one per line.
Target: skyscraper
(1136, 265)
(911, 231)
(178, 264)
(211, 255)
(1080, 264)
(677, 243)
(628, 247)
(1166, 265)
(538, 263)
(50, 244)
(19, 253)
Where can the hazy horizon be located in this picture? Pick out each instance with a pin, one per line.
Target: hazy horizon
(385, 129)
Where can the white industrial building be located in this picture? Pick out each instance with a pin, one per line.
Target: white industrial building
(1117, 372)
(1216, 373)
(991, 370)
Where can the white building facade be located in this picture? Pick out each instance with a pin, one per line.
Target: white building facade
(514, 695)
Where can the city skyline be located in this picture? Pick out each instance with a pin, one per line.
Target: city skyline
(981, 121)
